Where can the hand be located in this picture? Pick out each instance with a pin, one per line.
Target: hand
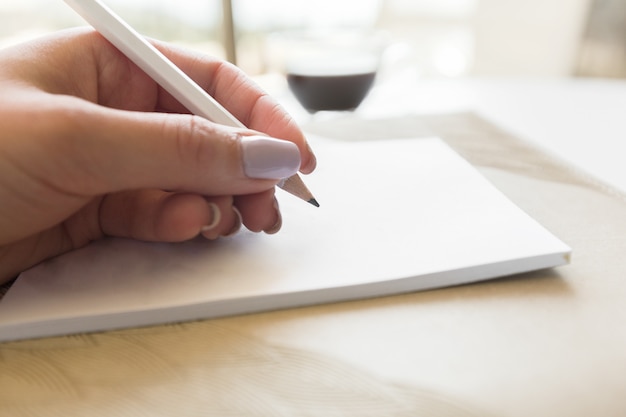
(90, 146)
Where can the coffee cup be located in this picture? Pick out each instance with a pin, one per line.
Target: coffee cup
(332, 70)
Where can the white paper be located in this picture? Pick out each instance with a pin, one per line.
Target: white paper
(395, 216)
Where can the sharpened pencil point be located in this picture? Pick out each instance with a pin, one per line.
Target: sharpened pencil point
(295, 186)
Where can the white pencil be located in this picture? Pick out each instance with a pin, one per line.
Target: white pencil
(167, 74)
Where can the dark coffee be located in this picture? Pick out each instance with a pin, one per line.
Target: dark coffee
(330, 92)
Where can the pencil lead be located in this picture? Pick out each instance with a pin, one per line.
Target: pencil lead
(314, 202)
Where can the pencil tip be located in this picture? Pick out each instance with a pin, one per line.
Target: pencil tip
(295, 186)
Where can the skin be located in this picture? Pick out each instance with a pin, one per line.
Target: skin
(91, 147)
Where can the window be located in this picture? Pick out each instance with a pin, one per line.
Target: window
(434, 37)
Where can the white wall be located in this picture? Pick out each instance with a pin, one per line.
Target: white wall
(488, 37)
(527, 37)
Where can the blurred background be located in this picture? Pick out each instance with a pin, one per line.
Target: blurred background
(424, 38)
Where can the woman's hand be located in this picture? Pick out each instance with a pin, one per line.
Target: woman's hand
(90, 146)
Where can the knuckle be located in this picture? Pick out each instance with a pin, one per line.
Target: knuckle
(191, 145)
(200, 143)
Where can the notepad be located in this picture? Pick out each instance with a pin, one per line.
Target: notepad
(396, 216)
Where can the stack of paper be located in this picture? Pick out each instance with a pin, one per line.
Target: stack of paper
(395, 216)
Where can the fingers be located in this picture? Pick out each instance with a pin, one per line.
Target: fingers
(239, 95)
(268, 220)
(153, 215)
(148, 215)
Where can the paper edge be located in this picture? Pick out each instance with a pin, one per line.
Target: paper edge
(280, 301)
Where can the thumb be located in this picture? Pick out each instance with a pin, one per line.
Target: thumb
(123, 150)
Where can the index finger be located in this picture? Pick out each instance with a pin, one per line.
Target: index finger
(239, 95)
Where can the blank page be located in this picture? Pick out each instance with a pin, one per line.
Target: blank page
(395, 216)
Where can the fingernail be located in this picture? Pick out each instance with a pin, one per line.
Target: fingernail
(269, 158)
(238, 222)
(216, 217)
(279, 222)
